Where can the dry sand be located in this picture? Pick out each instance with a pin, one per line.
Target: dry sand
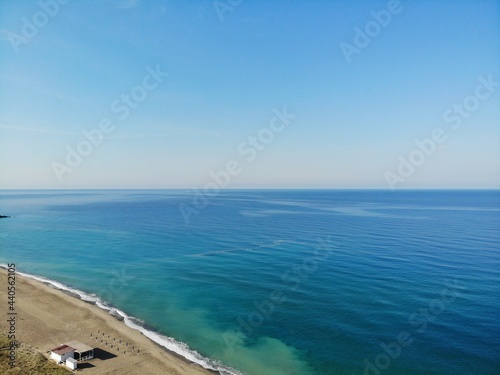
(48, 317)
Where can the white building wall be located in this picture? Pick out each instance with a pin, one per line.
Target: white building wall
(67, 355)
(61, 358)
(71, 364)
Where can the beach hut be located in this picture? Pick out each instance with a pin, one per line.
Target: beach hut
(81, 351)
(74, 351)
(71, 363)
(61, 353)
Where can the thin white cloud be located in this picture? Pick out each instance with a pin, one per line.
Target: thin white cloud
(140, 135)
(35, 130)
(170, 132)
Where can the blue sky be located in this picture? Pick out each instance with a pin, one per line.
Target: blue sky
(353, 123)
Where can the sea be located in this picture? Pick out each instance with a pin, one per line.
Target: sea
(278, 282)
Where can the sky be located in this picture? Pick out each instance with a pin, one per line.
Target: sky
(249, 94)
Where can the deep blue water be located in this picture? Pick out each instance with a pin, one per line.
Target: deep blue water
(282, 282)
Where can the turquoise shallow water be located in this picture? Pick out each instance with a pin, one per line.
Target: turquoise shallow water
(281, 282)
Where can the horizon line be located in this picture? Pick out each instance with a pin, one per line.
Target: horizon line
(264, 188)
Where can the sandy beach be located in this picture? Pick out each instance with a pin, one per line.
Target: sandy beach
(48, 317)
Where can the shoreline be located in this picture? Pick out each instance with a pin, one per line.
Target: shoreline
(50, 313)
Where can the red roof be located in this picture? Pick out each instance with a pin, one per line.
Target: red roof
(63, 349)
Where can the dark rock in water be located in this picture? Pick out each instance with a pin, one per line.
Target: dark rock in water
(3, 217)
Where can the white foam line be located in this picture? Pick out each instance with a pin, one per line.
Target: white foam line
(168, 343)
